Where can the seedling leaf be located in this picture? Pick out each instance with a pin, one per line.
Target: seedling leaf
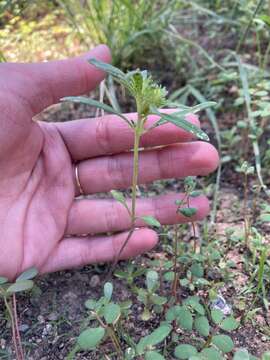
(19, 286)
(210, 354)
(151, 280)
(153, 355)
(229, 324)
(154, 338)
(185, 351)
(151, 221)
(188, 212)
(217, 316)
(108, 290)
(28, 274)
(241, 354)
(202, 325)
(184, 318)
(112, 313)
(90, 337)
(223, 342)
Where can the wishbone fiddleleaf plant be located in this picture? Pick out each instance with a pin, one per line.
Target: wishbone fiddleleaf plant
(149, 98)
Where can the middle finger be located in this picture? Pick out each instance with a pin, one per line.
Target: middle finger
(176, 161)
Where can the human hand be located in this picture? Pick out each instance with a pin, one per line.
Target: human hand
(40, 218)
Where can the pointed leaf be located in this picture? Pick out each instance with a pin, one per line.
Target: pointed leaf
(179, 120)
(90, 337)
(97, 104)
(223, 342)
(19, 286)
(28, 274)
(185, 351)
(3, 280)
(109, 69)
(151, 221)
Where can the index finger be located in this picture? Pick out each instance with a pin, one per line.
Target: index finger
(109, 134)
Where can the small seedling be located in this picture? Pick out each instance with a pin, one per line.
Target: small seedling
(8, 290)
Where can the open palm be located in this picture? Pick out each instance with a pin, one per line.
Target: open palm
(42, 222)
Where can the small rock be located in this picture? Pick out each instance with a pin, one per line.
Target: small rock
(95, 281)
(53, 316)
(23, 327)
(41, 319)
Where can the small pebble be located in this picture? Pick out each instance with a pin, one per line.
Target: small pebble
(95, 281)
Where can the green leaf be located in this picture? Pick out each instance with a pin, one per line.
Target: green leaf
(108, 290)
(28, 274)
(158, 300)
(194, 302)
(168, 276)
(19, 286)
(153, 355)
(109, 69)
(266, 19)
(188, 212)
(90, 304)
(112, 313)
(241, 354)
(179, 120)
(265, 217)
(210, 354)
(185, 351)
(154, 338)
(266, 355)
(202, 325)
(3, 280)
(197, 270)
(88, 101)
(118, 196)
(229, 324)
(90, 337)
(184, 318)
(217, 316)
(151, 280)
(223, 342)
(151, 221)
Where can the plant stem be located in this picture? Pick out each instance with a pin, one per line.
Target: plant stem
(13, 328)
(246, 220)
(175, 280)
(135, 174)
(137, 136)
(18, 336)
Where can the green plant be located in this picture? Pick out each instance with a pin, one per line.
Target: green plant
(108, 316)
(127, 27)
(8, 291)
(149, 98)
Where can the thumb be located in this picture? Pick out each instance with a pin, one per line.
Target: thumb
(43, 84)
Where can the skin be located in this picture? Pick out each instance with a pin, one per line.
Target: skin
(41, 218)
